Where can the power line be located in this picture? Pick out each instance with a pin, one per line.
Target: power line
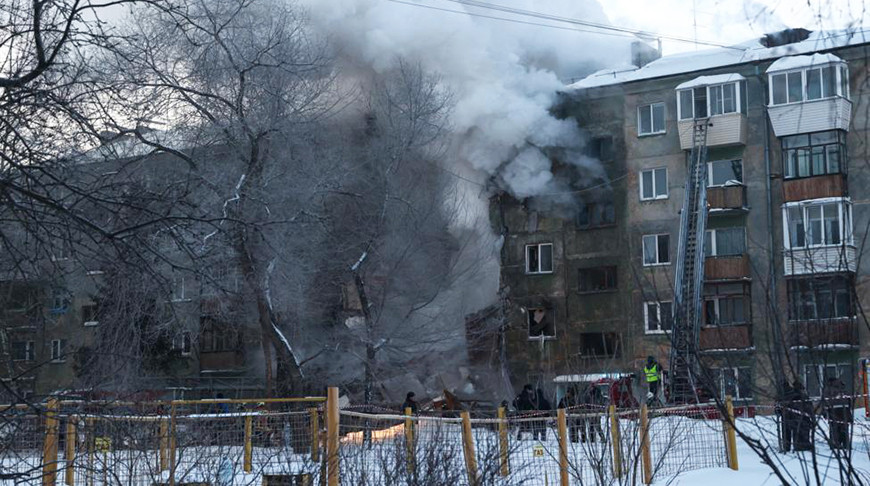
(530, 13)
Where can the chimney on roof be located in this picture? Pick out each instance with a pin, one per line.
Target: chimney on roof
(643, 53)
(784, 37)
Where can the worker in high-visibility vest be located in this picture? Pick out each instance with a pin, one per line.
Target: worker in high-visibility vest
(652, 373)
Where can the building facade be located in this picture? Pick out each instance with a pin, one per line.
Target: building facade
(591, 290)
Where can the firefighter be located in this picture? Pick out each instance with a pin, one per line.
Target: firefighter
(652, 373)
(525, 402)
(838, 411)
(410, 403)
(567, 402)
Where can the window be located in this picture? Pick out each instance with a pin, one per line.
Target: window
(89, 315)
(725, 242)
(657, 317)
(656, 249)
(539, 258)
(178, 288)
(57, 350)
(600, 148)
(541, 323)
(816, 375)
(809, 84)
(59, 300)
(61, 249)
(717, 99)
(654, 184)
(651, 119)
(722, 172)
(814, 154)
(736, 382)
(22, 350)
(597, 279)
(217, 336)
(595, 214)
(728, 310)
(182, 342)
(599, 345)
(820, 298)
(809, 224)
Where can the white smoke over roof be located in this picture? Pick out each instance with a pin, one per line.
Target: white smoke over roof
(504, 75)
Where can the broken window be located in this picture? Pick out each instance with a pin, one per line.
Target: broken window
(593, 214)
(599, 345)
(89, 315)
(600, 148)
(22, 350)
(541, 322)
(539, 258)
(657, 316)
(597, 279)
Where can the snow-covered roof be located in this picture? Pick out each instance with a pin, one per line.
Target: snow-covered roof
(796, 62)
(719, 57)
(711, 80)
(587, 378)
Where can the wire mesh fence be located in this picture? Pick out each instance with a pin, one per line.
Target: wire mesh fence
(285, 442)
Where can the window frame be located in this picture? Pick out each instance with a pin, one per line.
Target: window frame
(844, 217)
(710, 235)
(539, 271)
(654, 188)
(841, 74)
(652, 122)
(658, 261)
(178, 281)
(820, 370)
(738, 100)
(57, 350)
(610, 274)
(716, 300)
(588, 206)
(791, 165)
(724, 184)
(95, 321)
(658, 306)
(29, 351)
(804, 291)
(720, 378)
(549, 312)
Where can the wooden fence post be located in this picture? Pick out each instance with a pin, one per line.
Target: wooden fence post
(332, 424)
(315, 434)
(249, 446)
(173, 429)
(70, 450)
(503, 442)
(562, 422)
(409, 440)
(49, 444)
(468, 449)
(616, 440)
(645, 455)
(730, 434)
(164, 444)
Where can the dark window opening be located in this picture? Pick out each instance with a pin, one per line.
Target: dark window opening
(600, 148)
(597, 279)
(599, 345)
(820, 298)
(594, 214)
(89, 314)
(541, 323)
(218, 337)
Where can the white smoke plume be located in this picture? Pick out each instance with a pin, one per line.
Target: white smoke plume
(504, 75)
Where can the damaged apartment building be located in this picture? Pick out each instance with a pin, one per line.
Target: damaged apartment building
(784, 281)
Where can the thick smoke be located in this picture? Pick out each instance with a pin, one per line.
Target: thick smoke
(504, 75)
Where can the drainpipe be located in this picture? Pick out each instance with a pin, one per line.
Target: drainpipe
(771, 269)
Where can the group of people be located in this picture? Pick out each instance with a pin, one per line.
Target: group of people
(798, 415)
(579, 428)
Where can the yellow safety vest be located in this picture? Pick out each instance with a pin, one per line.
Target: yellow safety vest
(652, 374)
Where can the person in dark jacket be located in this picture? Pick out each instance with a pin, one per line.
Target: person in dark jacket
(524, 403)
(595, 404)
(802, 407)
(541, 404)
(837, 407)
(409, 403)
(787, 417)
(569, 401)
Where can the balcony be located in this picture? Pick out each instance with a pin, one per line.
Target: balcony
(221, 360)
(724, 130)
(822, 259)
(726, 199)
(726, 268)
(825, 332)
(817, 187)
(725, 337)
(810, 116)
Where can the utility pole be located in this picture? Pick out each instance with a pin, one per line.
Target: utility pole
(369, 378)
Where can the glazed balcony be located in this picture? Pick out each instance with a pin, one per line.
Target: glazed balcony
(725, 337)
(726, 268)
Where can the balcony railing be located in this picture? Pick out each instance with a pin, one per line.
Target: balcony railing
(821, 259)
(825, 332)
(725, 337)
(831, 185)
(726, 267)
(726, 198)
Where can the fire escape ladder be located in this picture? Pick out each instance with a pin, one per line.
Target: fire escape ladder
(689, 275)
